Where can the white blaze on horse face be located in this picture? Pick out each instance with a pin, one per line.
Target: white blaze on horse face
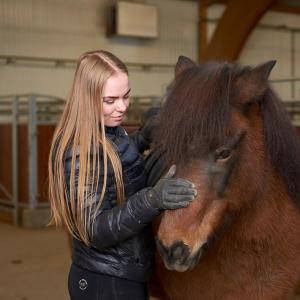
(211, 219)
(195, 224)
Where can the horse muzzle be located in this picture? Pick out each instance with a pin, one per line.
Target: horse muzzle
(178, 256)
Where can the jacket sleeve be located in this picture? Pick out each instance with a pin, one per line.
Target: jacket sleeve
(140, 141)
(143, 136)
(115, 224)
(121, 222)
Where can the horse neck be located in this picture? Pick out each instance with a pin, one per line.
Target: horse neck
(272, 213)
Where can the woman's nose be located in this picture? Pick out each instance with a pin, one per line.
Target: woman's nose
(121, 106)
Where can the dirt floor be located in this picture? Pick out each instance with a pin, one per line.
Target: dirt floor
(35, 264)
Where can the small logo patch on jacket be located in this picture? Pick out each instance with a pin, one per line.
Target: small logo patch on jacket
(83, 284)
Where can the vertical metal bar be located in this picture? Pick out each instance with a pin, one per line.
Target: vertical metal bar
(32, 151)
(15, 173)
(293, 63)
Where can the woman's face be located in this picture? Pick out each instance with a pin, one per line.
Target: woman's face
(116, 96)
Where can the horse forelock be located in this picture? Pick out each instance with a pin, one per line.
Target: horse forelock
(197, 115)
(196, 112)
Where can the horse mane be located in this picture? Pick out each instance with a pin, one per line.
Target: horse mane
(204, 124)
(282, 142)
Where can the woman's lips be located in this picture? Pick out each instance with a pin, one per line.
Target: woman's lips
(118, 118)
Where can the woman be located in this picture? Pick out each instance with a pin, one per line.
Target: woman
(97, 185)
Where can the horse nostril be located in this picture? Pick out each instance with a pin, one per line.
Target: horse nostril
(177, 252)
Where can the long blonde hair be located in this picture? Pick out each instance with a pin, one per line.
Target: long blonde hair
(78, 128)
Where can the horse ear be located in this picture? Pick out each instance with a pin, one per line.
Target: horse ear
(253, 84)
(262, 72)
(183, 64)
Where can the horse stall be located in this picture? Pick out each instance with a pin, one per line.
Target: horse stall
(27, 124)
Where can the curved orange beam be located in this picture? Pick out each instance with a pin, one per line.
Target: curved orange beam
(233, 29)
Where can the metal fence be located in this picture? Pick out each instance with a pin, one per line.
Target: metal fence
(31, 109)
(34, 110)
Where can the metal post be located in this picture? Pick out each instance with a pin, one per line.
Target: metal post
(32, 151)
(15, 173)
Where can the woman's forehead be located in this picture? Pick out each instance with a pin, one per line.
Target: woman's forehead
(116, 85)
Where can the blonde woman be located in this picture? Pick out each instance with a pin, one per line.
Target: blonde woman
(97, 185)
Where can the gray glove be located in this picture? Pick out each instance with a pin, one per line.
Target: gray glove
(171, 193)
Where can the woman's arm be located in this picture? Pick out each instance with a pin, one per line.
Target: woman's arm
(121, 222)
(113, 225)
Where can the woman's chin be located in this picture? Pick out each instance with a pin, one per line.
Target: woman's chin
(113, 123)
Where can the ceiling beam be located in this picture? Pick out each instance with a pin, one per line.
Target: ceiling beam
(278, 5)
(281, 7)
(233, 29)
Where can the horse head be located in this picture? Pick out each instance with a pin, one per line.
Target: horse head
(212, 127)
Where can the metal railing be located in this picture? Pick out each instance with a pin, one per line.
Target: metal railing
(52, 62)
(34, 110)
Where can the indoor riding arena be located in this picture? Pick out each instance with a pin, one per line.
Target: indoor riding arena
(218, 81)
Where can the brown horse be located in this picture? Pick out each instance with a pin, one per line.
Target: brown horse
(226, 131)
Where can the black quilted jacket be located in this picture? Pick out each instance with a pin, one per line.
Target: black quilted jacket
(122, 243)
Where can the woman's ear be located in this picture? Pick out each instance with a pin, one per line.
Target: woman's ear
(183, 64)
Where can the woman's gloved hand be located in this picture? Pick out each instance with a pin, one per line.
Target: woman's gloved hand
(171, 193)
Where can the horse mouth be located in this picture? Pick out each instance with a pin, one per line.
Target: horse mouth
(178, 257)
(185, 265)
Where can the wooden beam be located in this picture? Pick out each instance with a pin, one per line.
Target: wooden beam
(211, 2)
(279, 7)
(234, 27)
(202, 41)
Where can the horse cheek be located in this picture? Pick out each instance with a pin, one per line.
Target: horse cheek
(183, 224)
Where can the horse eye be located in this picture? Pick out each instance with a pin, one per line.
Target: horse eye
(222, 153)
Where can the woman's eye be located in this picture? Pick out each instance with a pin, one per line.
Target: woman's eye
(109, 101)
(223, 153)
